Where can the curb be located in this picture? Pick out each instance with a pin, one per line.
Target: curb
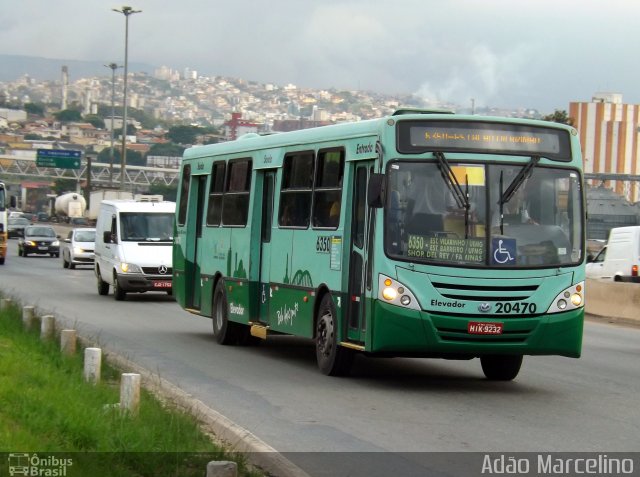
(232, 436)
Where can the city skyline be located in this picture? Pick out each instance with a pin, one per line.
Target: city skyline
(540, 55)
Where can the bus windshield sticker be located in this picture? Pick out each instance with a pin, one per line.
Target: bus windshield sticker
(469, 175)
(504, 251)
(446, 249)
(336, 253)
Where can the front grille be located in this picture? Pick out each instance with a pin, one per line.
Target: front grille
(154, 271)
(489, 290)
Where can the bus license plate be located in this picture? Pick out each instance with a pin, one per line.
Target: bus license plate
(162, 284)
(482, 328)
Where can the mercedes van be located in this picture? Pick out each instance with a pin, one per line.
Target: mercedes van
(133, 249)
(619, 260)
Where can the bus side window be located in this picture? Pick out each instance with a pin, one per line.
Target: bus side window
(184, 194)
(235, 202)
(214, 208)
(327, 194)
(297, 183)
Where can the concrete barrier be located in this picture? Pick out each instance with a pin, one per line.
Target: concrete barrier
(618, 302)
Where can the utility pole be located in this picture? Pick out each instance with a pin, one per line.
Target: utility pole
(113, 67)
(126, 11)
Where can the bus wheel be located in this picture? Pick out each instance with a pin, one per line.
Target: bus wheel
(333, 360)
(224, 331)
(501, 367)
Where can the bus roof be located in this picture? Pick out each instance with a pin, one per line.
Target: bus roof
(253, 142)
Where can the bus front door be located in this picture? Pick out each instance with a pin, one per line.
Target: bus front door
(194, 249)
(359, 261)
(268, 185)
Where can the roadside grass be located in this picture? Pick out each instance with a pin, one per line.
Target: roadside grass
(47, 407)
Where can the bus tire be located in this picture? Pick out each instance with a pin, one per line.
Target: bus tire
(501, 367)
(333, 360)
(224, 331)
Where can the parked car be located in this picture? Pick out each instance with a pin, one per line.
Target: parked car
(39, 239)
(16, 226)
(78, 248)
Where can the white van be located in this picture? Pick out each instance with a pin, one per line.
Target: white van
(133, 250)
(619, 260)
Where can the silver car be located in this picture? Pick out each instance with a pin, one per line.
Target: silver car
(79, 247)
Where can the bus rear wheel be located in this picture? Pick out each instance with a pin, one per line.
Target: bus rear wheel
(224, 331)
(501, 367)
(333, 360)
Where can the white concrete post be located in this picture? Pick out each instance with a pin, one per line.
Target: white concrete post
(130, 392)
(222, 468)
(5, 303)
(47, 327)
(28, 316)
(92, 365)
(68, 341)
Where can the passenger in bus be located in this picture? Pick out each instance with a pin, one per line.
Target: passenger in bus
(515, 211)
(334, 214)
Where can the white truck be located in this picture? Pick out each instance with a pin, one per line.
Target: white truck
(133, 251)
(97, 196)
(70, 205)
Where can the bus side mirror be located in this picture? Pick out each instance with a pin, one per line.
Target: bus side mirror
(375, 191)
(13, 202)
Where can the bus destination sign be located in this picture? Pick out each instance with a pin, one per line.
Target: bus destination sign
(446, 249)
(484, 137)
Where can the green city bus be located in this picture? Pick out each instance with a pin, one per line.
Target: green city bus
(423, 234)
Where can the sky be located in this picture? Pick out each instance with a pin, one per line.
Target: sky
(539, 54)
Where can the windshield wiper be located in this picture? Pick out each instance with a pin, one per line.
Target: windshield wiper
(518, 180)
(461, 198)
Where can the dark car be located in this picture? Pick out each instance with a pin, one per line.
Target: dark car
(40, 239)
(43, 217)
(16, 226)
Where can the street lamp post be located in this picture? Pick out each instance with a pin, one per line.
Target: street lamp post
(113, 67)
(126, 11)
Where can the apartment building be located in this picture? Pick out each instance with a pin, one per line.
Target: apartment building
(609, 132)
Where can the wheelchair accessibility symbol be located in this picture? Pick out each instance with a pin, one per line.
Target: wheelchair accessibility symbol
(504, 251)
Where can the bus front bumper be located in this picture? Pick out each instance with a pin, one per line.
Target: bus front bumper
(402, 332)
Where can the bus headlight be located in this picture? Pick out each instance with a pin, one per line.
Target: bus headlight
(395, 293)
(569, 299)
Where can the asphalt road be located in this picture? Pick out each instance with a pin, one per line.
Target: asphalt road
(391, 405)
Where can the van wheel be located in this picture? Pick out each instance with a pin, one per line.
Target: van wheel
(333, 360)
(103, 287)
(118, 293)
(65, 264)
(501, 367)
(224, 331)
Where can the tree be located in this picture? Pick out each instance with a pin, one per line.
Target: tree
(69, 115)
(34, 109)
(134, 158)
(169, 149)
(184, 134)
(559, 117)
(94, 120)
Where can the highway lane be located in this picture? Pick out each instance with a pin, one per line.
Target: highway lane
(393, 405)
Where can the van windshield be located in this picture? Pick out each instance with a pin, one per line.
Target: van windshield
(150, 227)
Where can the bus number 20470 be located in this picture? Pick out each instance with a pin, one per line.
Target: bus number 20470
(524, 308)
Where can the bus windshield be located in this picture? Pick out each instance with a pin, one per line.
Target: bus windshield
(511, 215)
